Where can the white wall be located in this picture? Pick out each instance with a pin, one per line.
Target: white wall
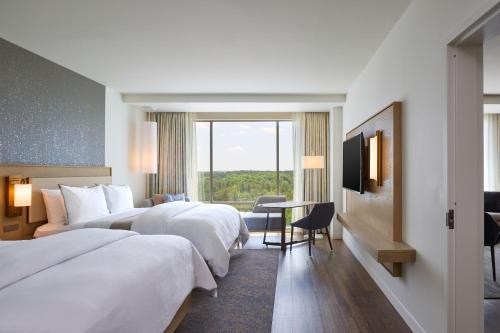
(336, 196)
(123, 126)
(410, 66)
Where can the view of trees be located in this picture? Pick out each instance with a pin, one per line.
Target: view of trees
(244, 186)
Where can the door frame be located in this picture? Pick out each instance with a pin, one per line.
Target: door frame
(465, 289)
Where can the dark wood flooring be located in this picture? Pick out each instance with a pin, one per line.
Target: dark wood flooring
(328, 292)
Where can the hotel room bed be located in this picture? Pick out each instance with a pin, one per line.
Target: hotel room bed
(212, 228)
(96, 280)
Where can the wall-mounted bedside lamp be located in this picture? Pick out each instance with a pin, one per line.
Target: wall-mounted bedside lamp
(376, 158)
(19, 195)
(149, 151)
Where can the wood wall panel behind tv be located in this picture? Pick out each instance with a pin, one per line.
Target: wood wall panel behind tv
(380, 206)
(375, 217)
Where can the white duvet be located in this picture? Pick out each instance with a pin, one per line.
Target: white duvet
(212, 228)
(97, 280)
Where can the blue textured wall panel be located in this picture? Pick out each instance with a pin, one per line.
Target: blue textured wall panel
(49, 115)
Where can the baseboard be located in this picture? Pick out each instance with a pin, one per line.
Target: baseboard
(398, 305)
(337, 235)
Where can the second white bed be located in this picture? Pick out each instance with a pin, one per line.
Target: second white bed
(212, 228)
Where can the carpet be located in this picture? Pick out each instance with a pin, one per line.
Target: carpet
(245, 296)
(491, 288)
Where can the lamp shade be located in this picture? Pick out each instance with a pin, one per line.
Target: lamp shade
(375, 145)
(149, 152)
(22, 195)
(313, 162)
(374, 158)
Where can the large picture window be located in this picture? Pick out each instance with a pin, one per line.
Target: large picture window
(240, 160)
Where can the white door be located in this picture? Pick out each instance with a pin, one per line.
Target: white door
(465, 189)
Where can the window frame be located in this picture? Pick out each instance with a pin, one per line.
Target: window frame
(277, 145)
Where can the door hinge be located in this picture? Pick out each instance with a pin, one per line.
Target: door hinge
(450, 219)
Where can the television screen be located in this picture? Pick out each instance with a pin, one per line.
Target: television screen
(353, 157)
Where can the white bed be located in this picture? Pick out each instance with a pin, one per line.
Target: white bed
(212, 228)
(97, 280)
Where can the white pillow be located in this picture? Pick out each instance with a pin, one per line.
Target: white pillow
(118, 197)
(54, 206)
(84, 204)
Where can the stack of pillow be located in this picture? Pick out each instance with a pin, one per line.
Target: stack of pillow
(70, 204)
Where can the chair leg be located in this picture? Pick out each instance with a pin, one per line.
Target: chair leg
(265, 230)
(329, 240)
(291, 239)
(309, 241)
(492, 249)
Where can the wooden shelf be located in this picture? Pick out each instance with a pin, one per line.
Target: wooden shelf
(385, 251)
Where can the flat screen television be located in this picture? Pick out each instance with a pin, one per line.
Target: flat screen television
(353, 163)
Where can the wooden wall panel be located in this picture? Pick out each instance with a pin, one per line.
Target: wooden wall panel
(380, 206)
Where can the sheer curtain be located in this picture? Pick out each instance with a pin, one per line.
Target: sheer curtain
(191, 157)
(492, 152)
(298, 153)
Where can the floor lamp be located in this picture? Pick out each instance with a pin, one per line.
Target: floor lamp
(312, 162)
(149, 151)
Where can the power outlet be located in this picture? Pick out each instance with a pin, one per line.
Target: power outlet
(10, 228)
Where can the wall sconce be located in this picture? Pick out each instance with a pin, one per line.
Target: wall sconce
(19, 195)
(149, 151)
(376, 158)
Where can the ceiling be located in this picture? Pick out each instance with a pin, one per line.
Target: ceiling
(240, 107)
(491, 54)
(217, 46)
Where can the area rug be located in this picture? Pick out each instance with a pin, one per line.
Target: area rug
(245, 298)
(491, 288)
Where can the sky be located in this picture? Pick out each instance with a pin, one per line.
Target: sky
(244, 146)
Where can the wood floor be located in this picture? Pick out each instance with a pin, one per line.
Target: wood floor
(328, 292)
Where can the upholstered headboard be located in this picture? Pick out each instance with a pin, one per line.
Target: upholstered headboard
(36, 212)
(18, 227)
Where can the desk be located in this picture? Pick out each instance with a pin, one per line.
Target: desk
(283, 206)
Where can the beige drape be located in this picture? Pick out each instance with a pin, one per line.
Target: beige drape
(172, 156)
(298, 171)
(316, 143)
(492, 152)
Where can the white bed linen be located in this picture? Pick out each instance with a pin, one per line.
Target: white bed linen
(97, 280)
(104, 222)
(212, 228)
(7, 242)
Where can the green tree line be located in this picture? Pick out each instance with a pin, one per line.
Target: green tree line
(245, 185)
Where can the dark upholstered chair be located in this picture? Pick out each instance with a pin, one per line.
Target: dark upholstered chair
(491, 228)
(263, 199)
(320, 218)
(492, 202)
(491, 238)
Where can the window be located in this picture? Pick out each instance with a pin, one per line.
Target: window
(240, 160)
